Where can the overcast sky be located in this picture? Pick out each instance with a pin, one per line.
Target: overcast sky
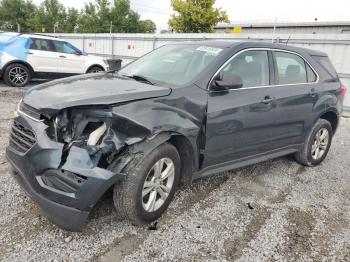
(245, 10)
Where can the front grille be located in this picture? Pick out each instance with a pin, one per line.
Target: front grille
(21, 138)
(30, 111)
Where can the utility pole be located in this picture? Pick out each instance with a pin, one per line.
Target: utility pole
(274, 30)
(18, 28)
(54, 27)
(110, 27)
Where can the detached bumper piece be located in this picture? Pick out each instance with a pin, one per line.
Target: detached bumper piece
(65, 217)
(66, 191)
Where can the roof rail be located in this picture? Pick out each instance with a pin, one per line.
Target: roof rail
(38, 34)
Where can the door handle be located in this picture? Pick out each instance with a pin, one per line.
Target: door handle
(313, 92)
(62, 56)
(267, 100)
(29, 53)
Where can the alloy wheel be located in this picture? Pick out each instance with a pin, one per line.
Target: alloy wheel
(18, 75)
(158, 184)
(320, 144)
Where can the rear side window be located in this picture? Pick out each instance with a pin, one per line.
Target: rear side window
(291, 69)
(41, 44)
(327, 65)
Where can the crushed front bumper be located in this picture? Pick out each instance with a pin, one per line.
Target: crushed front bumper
(41, 173)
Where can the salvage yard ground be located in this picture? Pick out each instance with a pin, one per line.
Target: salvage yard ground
(273, 211)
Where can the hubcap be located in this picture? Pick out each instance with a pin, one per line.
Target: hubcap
(320, 144)
(18, 75)
(158, 184)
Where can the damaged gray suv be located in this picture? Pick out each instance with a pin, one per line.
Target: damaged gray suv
(179, 113)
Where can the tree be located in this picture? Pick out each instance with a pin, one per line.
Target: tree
(14, 12)
(49, 13)
(196, 16)
(147, 26)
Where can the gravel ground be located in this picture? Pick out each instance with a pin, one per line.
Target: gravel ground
(273, 211)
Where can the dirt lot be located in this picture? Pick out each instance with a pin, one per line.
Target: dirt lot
(273, 211)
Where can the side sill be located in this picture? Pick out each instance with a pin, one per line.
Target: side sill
(246, 161)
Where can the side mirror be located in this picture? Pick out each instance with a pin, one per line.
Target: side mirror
(78, 52)
(226, 82)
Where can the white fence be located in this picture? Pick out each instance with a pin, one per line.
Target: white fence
(131, 46)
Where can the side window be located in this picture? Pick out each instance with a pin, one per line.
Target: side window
(251, 66)
(64, 47)
(41, 44)
(290, 69)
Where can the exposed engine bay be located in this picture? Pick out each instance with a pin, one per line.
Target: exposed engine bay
(85, 128)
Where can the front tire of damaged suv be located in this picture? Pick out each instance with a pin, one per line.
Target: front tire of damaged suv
(149, 185)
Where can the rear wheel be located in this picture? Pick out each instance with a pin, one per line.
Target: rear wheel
(149, 185)
(95, 69)
(317, 144)
(17, 75)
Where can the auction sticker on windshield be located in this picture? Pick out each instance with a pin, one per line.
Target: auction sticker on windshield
(209, 49)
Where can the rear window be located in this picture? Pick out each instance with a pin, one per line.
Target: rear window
(327, 65)
(42, 45)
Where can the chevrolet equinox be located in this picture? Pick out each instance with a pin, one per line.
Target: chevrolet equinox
(181, 112)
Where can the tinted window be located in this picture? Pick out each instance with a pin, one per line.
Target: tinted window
(64, 47)
(41, 44)
(327, 65)
(290, 68)
(251, 66)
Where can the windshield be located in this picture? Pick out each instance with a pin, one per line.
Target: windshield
(172, 64)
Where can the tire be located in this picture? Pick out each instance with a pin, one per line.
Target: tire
(94, 69)
(308, 155)
(127, 195)
(17, 75)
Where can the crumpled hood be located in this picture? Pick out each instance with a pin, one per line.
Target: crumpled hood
(91, 89)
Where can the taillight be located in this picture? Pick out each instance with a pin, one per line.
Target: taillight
(342, 91)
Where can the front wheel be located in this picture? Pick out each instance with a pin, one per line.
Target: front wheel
(149, 185)
(316, 147)
(17, 75)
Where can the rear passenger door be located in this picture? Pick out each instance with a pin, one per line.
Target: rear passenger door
(296, 96)
(42, 56)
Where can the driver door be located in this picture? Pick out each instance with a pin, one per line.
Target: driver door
(239, 121)
(70, 59)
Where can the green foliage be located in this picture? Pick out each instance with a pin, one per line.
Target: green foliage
(98, 17)
(196, 16)
(13, 12)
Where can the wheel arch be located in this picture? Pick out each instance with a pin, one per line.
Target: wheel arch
(143, 148)
(94, 65)
(332, 117)
(187, 156)
(17, 62)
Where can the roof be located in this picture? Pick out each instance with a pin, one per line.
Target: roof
(251, 44)
(283, 24)
(13, 34)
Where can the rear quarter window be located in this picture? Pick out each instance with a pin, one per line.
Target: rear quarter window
(327, 65)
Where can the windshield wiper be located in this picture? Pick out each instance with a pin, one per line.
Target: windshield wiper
(140, 78)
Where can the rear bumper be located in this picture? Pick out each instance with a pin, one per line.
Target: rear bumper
(48, 181)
